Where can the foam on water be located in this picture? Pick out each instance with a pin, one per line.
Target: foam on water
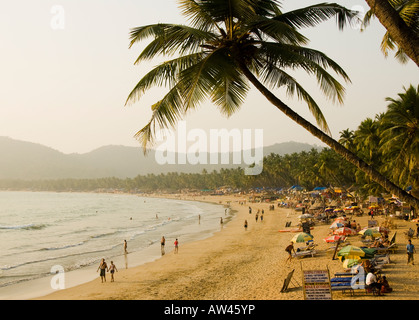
(76, 230)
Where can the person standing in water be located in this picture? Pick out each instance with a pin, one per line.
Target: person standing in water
(162, 243)
(125, 246)
(176, 246)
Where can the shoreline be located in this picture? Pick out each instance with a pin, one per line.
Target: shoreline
(42, 286)
(234, 264)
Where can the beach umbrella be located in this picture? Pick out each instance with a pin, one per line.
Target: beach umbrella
(349, 263)
(351, 252)
(328, 210)
(334, 238)
(344, 232)
(370, 232)
(369, 252)
(302, 237)
(382, 229)
(336, 225)
(373, 206)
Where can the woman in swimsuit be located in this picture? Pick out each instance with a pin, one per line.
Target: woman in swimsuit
(112, 270)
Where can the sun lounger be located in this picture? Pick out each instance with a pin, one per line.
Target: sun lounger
(344, 284)
(345, 274)
(391, 248)
(381, 260)
(305, 253)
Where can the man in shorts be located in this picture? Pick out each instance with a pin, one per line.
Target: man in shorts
(103, 268)
(410, 251)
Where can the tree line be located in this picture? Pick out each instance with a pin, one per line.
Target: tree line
(389, 142)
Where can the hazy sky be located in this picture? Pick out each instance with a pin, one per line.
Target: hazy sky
(66, 71)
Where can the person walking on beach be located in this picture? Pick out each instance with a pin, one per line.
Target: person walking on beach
(176, 246)
(103, 268)
(245, 224)
(290, 249)
(112, 269)
(125, 246)
(410, 251)
(162, 243)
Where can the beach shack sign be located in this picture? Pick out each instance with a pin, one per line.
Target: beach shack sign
(316, 285)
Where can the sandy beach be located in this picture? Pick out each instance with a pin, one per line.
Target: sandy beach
(239, 264)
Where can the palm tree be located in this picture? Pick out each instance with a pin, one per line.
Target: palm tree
(347, 139)
(401, 19)
(400, 136)
(367, 140)
(231, 43)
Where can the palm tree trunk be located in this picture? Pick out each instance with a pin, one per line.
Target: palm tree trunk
(336, 146)
(398, 29)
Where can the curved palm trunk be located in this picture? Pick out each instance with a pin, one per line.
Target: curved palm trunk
(336, 146)
(398, 29)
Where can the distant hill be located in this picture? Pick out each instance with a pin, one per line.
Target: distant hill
(31, 161)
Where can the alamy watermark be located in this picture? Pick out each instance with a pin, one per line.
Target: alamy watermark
(192, 147)
(58, 280)
(57, 21)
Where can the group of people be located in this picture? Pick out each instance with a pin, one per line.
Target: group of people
(103, 266)
(373, 281)
(259, 214)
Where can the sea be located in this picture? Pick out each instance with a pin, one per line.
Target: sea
(43, 232)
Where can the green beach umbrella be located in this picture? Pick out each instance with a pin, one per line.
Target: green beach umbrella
(349, 263)
(351, 252)
(370, 232)
(302, 237)
(369, 252)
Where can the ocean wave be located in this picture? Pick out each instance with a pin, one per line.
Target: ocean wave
(107, 234)
(31, 226)
(66, 246)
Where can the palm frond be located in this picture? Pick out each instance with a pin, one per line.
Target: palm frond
(278, 78)
(169, 39)
(312, 61)
(163, 75)
(231, 88)
(313, 15)
(276, 30)
(166, 113)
